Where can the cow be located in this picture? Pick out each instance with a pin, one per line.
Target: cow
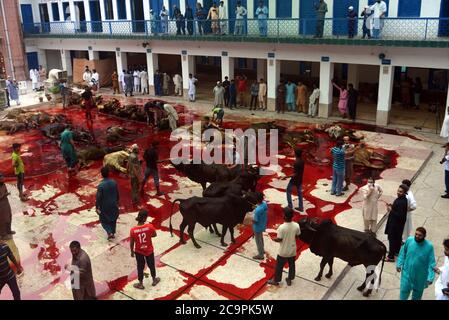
(330, 241)
(204, 173)
(228, 210)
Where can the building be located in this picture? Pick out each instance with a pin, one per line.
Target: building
(12, 49)
(414, 43)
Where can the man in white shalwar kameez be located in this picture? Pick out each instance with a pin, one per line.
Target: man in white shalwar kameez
(192, 88)
(443, 279)
(34, 76)
(172, 116)
(177, 80)
(445, 128)
(136, 76)
(121, 80)
(144, 81)
(408, 227)
(371, 193)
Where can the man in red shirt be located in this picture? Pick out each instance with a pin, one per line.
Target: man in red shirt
(142, 247)
(242, 87)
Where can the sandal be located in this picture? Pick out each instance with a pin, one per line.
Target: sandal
(139, 286)
(389, 259)
(156, 281)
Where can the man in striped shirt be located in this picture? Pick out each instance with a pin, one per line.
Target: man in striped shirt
(338, 175)
(7, 275)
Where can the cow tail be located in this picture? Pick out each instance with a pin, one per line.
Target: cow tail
(382, 267)
(171, 214)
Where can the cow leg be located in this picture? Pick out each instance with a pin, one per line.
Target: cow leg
(363, 285)
(182, 227)
(373, 276)
(231, 231)
(322, 265)
(203, 185)
(190, 231)
(211, 230)
(330, 263)
(214, 225)
(223, 233)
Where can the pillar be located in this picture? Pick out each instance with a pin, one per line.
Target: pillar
(261, 69)
(273, 77)
(447, 99)
(114, 10)
(326, 99)
(188, 66)
(73, 15)
(227, 67)
(272, 8)
(61, 11)
(250, 7)
(121, 59)
(94, 55)
(182, 6)
(87, 10)
(42, 58)
(66, 62)
(353, 75)
(146, 10)
(50, 12)
(35, 11)
(128, 10)
(152, 66)
(386, 80)
(103, 11)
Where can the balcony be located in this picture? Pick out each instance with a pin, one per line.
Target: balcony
(404, 32)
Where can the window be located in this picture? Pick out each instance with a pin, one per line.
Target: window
(108, 12)
(55, 11)
(121, 8)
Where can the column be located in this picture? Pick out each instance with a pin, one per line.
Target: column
(261, 69)
(61, 11)
(87, 10)
(66, 62)
(386, 80)
(146, 9)
(128, 10)
(250, 8)
(272, 8)
(227, 67)
(188, 66)
(152, 66)
(73, 16)
(114, 9)
(103, 11)
(166, 3)
(326, 76)
(182, 6)
(273, 77)
(36, 11)
(50, 12)
(42, 58)
(94, 55)
(353, 75)
(121, 59)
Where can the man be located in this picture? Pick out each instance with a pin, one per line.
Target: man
(226, 83)
(34, 77)
(262, 16)
(144, 81)
(153, 25)
(397, 215)
(157, 83)
(19, 169)
(254, 91)
(321, 10)
(68, 151)
(219, 92)
(87, 76)
(175, 12)
(213, 17)
(286, 236)
(218, 114)
(260, 225)
(5, 210)
(371, 194)
(163, 14)
(349, 161)
(65, 93)
(177, 80)
(446, 170)
(83, 287)
(7, 276)
(136, 77)
(290, 95)
(240, 13)
(165, 83)
(411, 206)
(129, 83)
(95, 80)
(353, 96)
(180, 24)
(13, 90)
(301, 98)
(442, 283)
(42, 75)
(379, 11)
(262, 95)
(115, 85)
(232, 95)
(296, 181)
(280, 97)
(416, 262)
(172, 116)
(107, 202)
(135, 173)
(201, 15)
(313, 102)
(223, 16)
(151, 157)
(142, 248)
(241, 88)
(367, 22)
(121, 80)
(338, 166)
(192, 88)
(352, 22)
(189, 18)
(89, 103)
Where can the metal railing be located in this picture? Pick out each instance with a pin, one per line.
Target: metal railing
(417, 29)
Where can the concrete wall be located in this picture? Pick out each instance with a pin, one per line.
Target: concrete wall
(53, 59)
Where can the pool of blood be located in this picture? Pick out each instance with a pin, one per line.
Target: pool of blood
(44, 165)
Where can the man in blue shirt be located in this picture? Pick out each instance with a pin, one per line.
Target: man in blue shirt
(107, 202)
(262, 16)
(259, 225)
(201, 16)
(338, 175)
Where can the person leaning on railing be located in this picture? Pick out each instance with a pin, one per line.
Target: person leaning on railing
(200, 17)
(321, 9)
(262, 16)
(188, 15)
(240, 13)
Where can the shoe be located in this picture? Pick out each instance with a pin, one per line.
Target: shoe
(139, 286)
(156, 281)
(345, 188)
(299, 209)
(11, 232)
(446, 196)
(272, 282)
(259, 258)
(339, 195)
(160, 193)
(289, 282)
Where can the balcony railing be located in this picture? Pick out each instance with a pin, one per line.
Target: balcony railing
(409, 29)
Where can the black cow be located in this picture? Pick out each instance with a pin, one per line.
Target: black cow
(329, 241)
(204, 173)
(228, 210)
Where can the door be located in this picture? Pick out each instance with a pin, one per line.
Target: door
(55, 11)
(137, 16)
(409, 8)
(307, 17)
(32, 60)
(283, 8)
(82, 15)
(121, 9)
(232, 5)
(45, 19)
(95, 16)
(443, 28)
(340, 23)
(171, 3)
(27, 18)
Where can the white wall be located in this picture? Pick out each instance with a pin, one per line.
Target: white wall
(53, 59)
